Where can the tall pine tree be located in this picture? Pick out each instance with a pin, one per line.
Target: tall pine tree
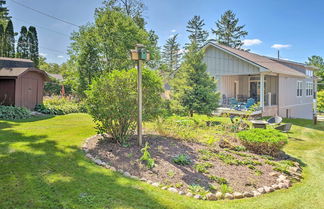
(32, 40)
(171, 55)
(9, 40)
(196, 31)
(228, 32)
(201, 96)
(22, 45)
(4, 12)
(2, 35)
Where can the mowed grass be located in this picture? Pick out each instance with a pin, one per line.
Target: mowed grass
(42, 166)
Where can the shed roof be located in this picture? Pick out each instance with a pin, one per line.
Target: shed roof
(6, 62)
(271, 64)
(16, 72)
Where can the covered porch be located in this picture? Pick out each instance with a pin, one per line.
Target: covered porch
(260, 88)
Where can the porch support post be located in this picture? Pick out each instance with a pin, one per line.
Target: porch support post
(262, 91)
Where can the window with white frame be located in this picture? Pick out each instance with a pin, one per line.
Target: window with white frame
(299, 88)
(309, 89)
(309, 73)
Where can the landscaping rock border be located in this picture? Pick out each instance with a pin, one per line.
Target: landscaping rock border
(282, 181)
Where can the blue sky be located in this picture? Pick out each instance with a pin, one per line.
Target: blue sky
(294, 25)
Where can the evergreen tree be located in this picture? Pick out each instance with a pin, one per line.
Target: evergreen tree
(22, 45)
(2, 34)
(201, 97)
(171, 53)
(32, 40)
(4, 12)
(228, 32)
(9, 40)
(197, 33)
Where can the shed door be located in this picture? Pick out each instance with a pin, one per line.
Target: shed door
(7, 92)
(29, 92)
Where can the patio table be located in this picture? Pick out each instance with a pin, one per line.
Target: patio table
(259, 124)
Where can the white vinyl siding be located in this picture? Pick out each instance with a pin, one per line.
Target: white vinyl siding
(299, 88)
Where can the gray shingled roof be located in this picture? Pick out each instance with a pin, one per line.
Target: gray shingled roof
(275, 66)
(16, 72)
(15, 63)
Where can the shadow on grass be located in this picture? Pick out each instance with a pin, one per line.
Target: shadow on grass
(37, 172)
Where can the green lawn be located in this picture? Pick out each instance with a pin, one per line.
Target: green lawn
(42, 166)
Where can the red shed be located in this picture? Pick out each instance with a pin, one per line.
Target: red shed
(21, 84)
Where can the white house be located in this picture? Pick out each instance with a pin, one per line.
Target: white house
(282, 87)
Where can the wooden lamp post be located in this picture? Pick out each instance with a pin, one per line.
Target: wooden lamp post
(139, 54)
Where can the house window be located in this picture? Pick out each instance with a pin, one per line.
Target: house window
(309, 73)
(309, 89)
(299, 88)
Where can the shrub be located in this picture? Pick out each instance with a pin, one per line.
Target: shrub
(14, 113)
(263, 141)
(217, 179)
(112, 101)
(57, 105)
(320, 101)
(182, 159)
(150, 163)
(203, 167)
(224, 188)
(197, 189)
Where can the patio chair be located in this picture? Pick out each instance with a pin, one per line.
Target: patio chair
(274, 120)
(249, 103)
(285, 128)
(232, 102)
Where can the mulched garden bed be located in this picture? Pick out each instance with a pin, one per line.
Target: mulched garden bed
(242, 171)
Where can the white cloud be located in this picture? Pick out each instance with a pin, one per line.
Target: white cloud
(251, 42)
(173, 30)
(60, 56)
(280, 46)
(43, 54)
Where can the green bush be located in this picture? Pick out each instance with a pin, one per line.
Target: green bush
(150, 163)
(57, 105)
(320, 101)
(263, 141)
(14, 113)
(182, 159)
(112, 101)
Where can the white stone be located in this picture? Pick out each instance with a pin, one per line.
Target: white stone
(197, 196)
(228, 196)
(256, 193)
(112, 168)
(120, 171)
(281, 185)
(267, 189)
(149, 181)
(247, 194)
(164, 188)
(261, 190)
(189, 194)
(219, 195)
(143, 179)
(211, 196)
(171, 189)
(127, 174)
(88, 155)
(156, 184)
(98, 161)
(275, 186)
(181, 193)
(238, 195)
(274, 174)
